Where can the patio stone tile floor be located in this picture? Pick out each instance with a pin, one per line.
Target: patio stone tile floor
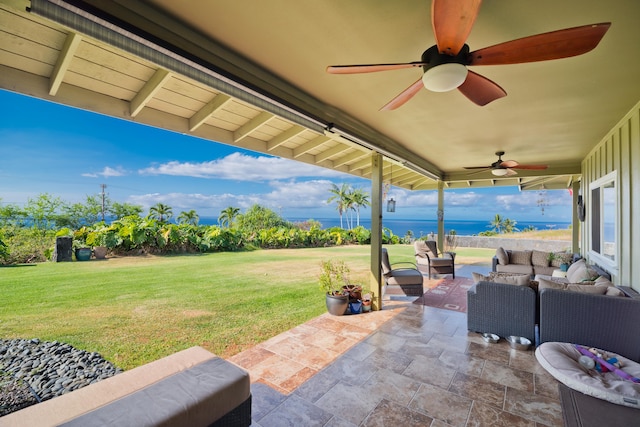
(406, 365)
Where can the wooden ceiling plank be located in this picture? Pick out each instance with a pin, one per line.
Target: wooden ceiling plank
(148, 90)
(356, 155)
(310, 145)
(360, 164)
(64, 60)
(284, 137)
(334, 151)
(207, 111)
(252, 125)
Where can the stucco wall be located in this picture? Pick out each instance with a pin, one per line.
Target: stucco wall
(619, 151)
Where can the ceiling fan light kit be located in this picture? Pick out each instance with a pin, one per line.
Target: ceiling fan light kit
(499, 172)
(445, 77)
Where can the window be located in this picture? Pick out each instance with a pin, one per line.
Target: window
(604, 223)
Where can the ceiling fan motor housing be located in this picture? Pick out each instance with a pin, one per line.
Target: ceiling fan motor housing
(432, 57)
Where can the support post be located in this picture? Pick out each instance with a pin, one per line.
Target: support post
(375, 276)
(575, 222)
(441, 215)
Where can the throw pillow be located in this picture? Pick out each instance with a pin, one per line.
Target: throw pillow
(574, 287)
(577, 271)
(477, 277)
(521, 257)
(550, 284)
(560, 258)
(503, 278)
(503, 257)
(540, 259)
(601, 280)
(614, 292)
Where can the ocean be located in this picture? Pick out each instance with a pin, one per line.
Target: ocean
(399, 227)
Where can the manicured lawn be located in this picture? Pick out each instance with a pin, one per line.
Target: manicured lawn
(133, 310)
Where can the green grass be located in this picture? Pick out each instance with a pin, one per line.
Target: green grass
(133, 310)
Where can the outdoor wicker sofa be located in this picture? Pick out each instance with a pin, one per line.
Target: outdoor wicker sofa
(502, 309)
(601, 321)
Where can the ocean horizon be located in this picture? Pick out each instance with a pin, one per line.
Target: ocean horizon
(419, 228)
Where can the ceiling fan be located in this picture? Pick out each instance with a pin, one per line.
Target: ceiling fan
(506, 167)
(445, 63)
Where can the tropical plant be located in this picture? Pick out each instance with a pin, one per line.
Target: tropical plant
(4, 249)
(509, 225)
(120, 210)
(161, 212)
(341, 196)
(258, 218)
(497, 223)
(228, 216)
(190, 217)
(359, 198)
(334, 278)
(451, 241)
(43, 210)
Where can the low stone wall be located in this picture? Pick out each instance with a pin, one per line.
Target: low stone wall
(513, 244)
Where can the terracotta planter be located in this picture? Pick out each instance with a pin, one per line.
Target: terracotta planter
(100, 252)
(337, 304)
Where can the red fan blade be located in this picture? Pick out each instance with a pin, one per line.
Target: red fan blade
(406, 95)
(480, 90)
(452, 22)
(509, 164)
(542, 47)
(511, 172)
(370, 68)
(530, 167)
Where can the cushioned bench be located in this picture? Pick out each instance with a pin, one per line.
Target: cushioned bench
(190, 388)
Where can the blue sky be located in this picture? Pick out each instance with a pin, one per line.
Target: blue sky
(68, 153)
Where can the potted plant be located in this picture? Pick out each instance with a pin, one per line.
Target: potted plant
(367, 300)
(334, 282)
(102, 240)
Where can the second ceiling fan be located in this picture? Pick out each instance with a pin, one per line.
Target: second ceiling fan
(506, 167)
(445, 63)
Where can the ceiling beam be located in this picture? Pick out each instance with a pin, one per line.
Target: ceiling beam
(360, 164)
(150, 88)
(284, 137)
(310, 145)
(217, 103)
(333, 151)
(67, 53)
(356, 155)
(253, 124)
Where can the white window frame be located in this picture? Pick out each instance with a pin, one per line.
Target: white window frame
(599, 210)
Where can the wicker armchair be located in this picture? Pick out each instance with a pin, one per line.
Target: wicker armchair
(406, 280)
(427, 255)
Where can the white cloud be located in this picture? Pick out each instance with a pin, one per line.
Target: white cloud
(106, 172)
(241, 167)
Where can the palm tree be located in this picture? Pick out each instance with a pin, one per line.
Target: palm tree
(161, 212)
(509, 225)
(497, 223)
(341, 196)
(190, 217)
(227, 216)
(359, 198)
